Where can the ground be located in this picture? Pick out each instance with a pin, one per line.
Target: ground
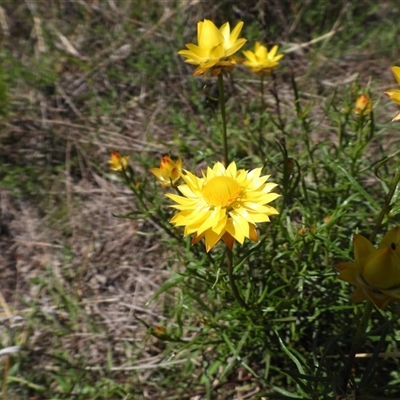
(80, 79)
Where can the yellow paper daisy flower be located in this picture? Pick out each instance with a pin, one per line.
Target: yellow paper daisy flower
(226, 203)
(169, 172)
(215, 48)
(118, 162)
(261, 60)
(394, 94)
(375, 272)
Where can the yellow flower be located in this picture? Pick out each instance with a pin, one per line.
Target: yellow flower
(226, 203)
(375, 272)
(118, 162)
(169, 172)
(363, 105)
(394, 94)
(261, 60)
(215, 48)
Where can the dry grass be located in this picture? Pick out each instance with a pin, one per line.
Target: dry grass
(79, 87)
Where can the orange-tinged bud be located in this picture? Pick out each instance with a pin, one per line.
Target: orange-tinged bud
(118, 162)
(169, 172)
(302, 231)
(159, 330)
(363, 105)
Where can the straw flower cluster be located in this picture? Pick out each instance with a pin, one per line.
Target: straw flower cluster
(215, 49)
(225, 203)
(375, 272)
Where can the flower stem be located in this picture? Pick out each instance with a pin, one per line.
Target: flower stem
(223, 115)
(361, 328)
(386, 207)
(261, 118)
(232, 283)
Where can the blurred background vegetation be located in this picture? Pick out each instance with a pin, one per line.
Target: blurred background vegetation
(79, 79)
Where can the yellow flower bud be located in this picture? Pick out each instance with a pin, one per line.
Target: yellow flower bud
(363, 105)
(118, 162)
(169, 172)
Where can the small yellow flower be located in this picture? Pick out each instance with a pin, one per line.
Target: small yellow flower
(363, 105)
(226, 203)
(215, 48)
(169, 172)
(394, 94)
(261, 60)
(375, 272)
(118, 162)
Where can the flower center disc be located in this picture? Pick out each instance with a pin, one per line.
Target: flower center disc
(221, 191)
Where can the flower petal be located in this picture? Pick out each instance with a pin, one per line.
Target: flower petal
(362, 247)
(396, 73)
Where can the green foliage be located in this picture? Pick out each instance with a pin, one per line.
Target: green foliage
(288, 330)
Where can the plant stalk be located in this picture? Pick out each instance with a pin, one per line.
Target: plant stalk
(232, 283)
(361, 329)
(223, 116)
(386, 207)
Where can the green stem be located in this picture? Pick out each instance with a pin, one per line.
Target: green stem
(128, 176)
(386, 207)
(232, 283)
(223, 115)
(306, 134)
(361, 328)
(261, 119)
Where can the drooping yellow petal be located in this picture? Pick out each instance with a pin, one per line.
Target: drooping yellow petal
(362, 247)
(396, 73)
(359, 294)
(350, 273)
(229, 240)
(396, 117)
(381, 269)
(379, 299)
(392, 239)
(393, 293)
(212, 238)
(394, 95)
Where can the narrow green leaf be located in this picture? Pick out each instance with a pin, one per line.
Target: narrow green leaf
(373, 204)
(171, 282)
